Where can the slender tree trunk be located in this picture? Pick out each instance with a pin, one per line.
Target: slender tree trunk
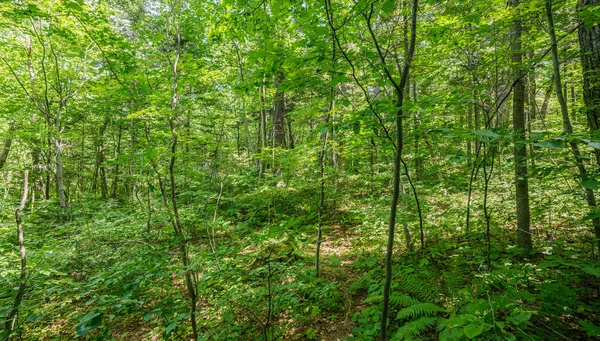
(99, 167)
(279, 114)
(11, 318)
(251, 149)
(290, 132)
(400, 87)
(546, 102)
(476, 109)
(417, 137)
(590, 197)
(60, 177)
(115, 182)
(131, 183)
(5, 150)
(81, 163)
(36, 171)
(48, 163)
(322, 154)
(262, 128)
(190, 278)
(520, 150)
(470, 129)
(531, 113)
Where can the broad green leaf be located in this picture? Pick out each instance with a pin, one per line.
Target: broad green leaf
(473, 330)
(171, 327)
(554, 144)
(591, 329)
(591, 183)
(88, 323)
(590, 270)
(388, 6)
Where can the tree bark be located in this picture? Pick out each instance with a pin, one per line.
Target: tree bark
(589, 42)
(189, 274)
(400, 92)
(520, 150)
(11, 318)
(115, 182)
(590, 197)
(5, 150)
(279, 114)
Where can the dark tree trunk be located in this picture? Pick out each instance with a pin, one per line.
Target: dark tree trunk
(520, 150)
(5, 151)
(589, 41)
(279, 114)
(115, 182)
(589, 195)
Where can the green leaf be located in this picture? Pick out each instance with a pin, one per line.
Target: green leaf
(594, 144)
(591, 271)
(592, 215)
(356, 127)
(591, 183)
(322, 30)
(170, 328)
(473, 330)
(554, 144)
(88, 323)
(388, 6)
(590, 328)
(487, 133)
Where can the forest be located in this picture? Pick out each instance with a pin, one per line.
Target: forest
(299, 170)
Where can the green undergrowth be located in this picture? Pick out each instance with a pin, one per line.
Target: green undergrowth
(107, 275)
(446, 292)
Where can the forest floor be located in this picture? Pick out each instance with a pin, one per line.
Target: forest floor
(338, 257)
(104, 276)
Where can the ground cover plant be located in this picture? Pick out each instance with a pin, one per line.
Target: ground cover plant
(299, 170)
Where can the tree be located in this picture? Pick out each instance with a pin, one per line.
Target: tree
(590, 197)
(520, 148)
(589, 42)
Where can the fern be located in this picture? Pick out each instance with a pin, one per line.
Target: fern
(455, 279)
(412, 284)
(401, 301)
(414, 328)
(419, 309)
(396, 301)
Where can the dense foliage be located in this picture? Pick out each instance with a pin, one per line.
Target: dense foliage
(238, 169)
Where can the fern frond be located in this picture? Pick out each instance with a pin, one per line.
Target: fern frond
(456, 278)
(412, 284)
(373, 299)
(414, 328)
(396, 301)
(419, 309)
(401, 301)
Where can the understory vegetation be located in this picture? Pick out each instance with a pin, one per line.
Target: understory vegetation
(105, 275)
(299, 170)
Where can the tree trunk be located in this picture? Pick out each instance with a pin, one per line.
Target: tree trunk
(262, 129)
(279, 114)
(290, 132)
(590, 197)
(520, 150)
(99, 167)
(5, 150)
(36, 170)
(546, 102)
(60, 177)
(189, 274)
(589, 42)
(11, 318)
(115, 182)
